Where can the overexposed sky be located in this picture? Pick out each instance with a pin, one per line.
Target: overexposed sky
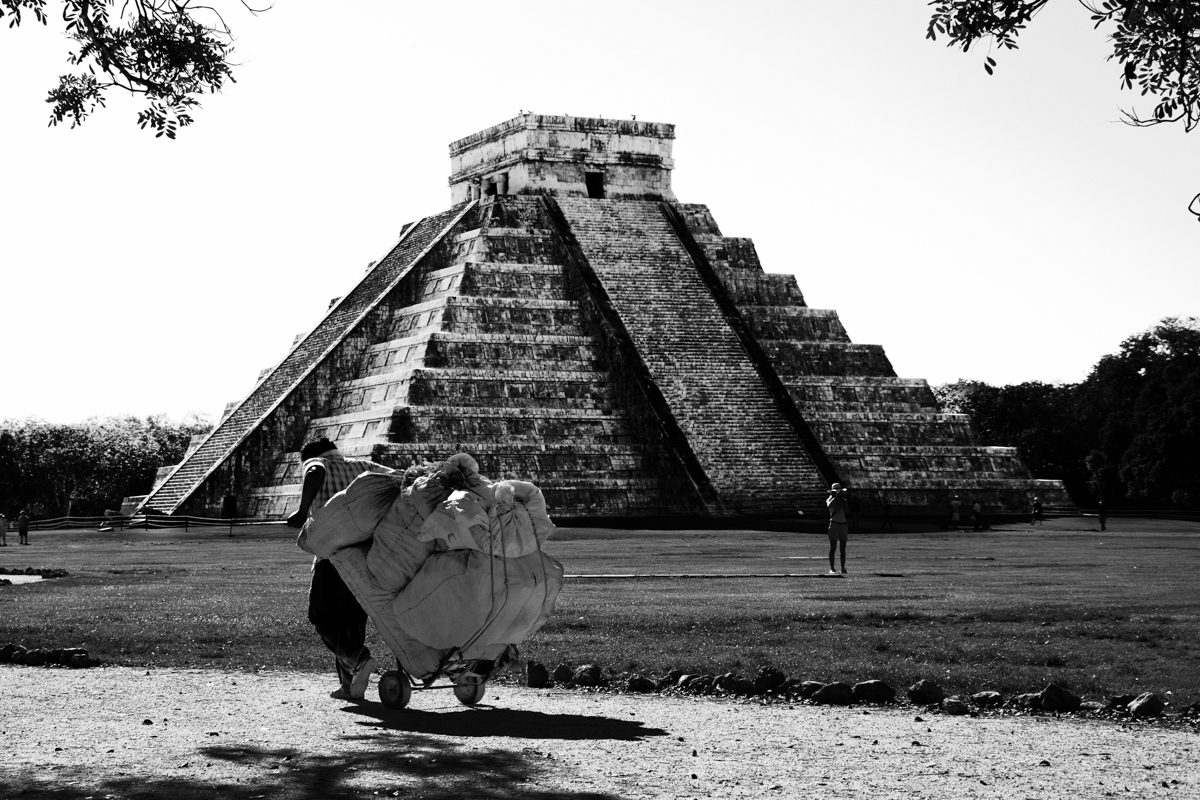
(1005, 228)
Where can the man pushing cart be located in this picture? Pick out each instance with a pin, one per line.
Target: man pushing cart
(447, 564)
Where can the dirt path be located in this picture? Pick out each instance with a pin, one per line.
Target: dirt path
(122, 733)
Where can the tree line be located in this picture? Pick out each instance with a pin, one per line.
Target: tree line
(84, 468)
(1128, 434)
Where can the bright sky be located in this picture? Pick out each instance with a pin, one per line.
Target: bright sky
(1004, 228)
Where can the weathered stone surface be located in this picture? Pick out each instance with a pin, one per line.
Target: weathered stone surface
(36, 658)
(988, 699)
(768, 678)
(1030, 700)
(17, 656)
(588, 675)
(874, 691)
(809, 688)
(791, 686)
(925, 693)
(1121, 702)
(670, 680)
(955, 706)
(1147, 705)
(6, 652)
(834, 694)
(640, 683)
(536, 675)
(563, 674)
(735, 684)
(80, 660)
(1058, 698)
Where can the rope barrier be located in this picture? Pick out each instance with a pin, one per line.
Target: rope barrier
(142, 522)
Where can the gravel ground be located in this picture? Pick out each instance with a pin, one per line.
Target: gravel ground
(124, 733)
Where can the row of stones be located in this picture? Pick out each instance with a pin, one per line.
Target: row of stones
(978, 466)
(581, 495)
(45, 572)
(772, 682)
(74, 657)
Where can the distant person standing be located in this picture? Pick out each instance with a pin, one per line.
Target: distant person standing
(1103, 516)
(976, 515)
(839, 529)
(1037, 512)
(3, 531)
(955, 511)
(23, 527)
(887, 517)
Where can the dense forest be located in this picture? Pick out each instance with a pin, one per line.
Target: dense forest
(83, 468)
(1129, 434)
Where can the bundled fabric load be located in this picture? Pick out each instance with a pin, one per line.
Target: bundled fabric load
(447, 563)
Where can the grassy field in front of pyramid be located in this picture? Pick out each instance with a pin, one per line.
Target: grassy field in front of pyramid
(1010, 609)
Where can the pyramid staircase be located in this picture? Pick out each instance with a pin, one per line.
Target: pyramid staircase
(744, 442)
(296, 385)
(489, 352)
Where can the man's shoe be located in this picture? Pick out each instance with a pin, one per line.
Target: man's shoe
(361, 678)
(341, 693)
(833, 572)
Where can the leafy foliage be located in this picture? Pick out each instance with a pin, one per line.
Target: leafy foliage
(1156, 43)
(1039, 419)
(1144, 405)
(170, 52)
(88, 467)
(1129, 433)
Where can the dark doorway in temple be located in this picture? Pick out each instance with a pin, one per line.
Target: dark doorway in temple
(595, 184)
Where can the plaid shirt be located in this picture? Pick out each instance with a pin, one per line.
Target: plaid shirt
(339, 473)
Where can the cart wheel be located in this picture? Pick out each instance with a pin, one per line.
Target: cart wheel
(394, 690)
(470, 693)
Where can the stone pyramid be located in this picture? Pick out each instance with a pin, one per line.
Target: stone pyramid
(568, 322)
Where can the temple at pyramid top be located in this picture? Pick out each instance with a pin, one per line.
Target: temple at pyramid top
(564, 157)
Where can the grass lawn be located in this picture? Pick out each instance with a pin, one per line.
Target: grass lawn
(1009, 609)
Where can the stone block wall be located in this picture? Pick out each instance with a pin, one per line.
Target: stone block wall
(887, 436)
(543, 154)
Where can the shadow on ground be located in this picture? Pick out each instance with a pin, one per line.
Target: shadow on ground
(484, 720)
(400, 764)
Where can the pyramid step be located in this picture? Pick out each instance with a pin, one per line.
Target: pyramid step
(753, 289)
(514, 245)
(841, 393)
(807, 408)
(795, 358)
(834, 430)
(797, 323)
(444, 426)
